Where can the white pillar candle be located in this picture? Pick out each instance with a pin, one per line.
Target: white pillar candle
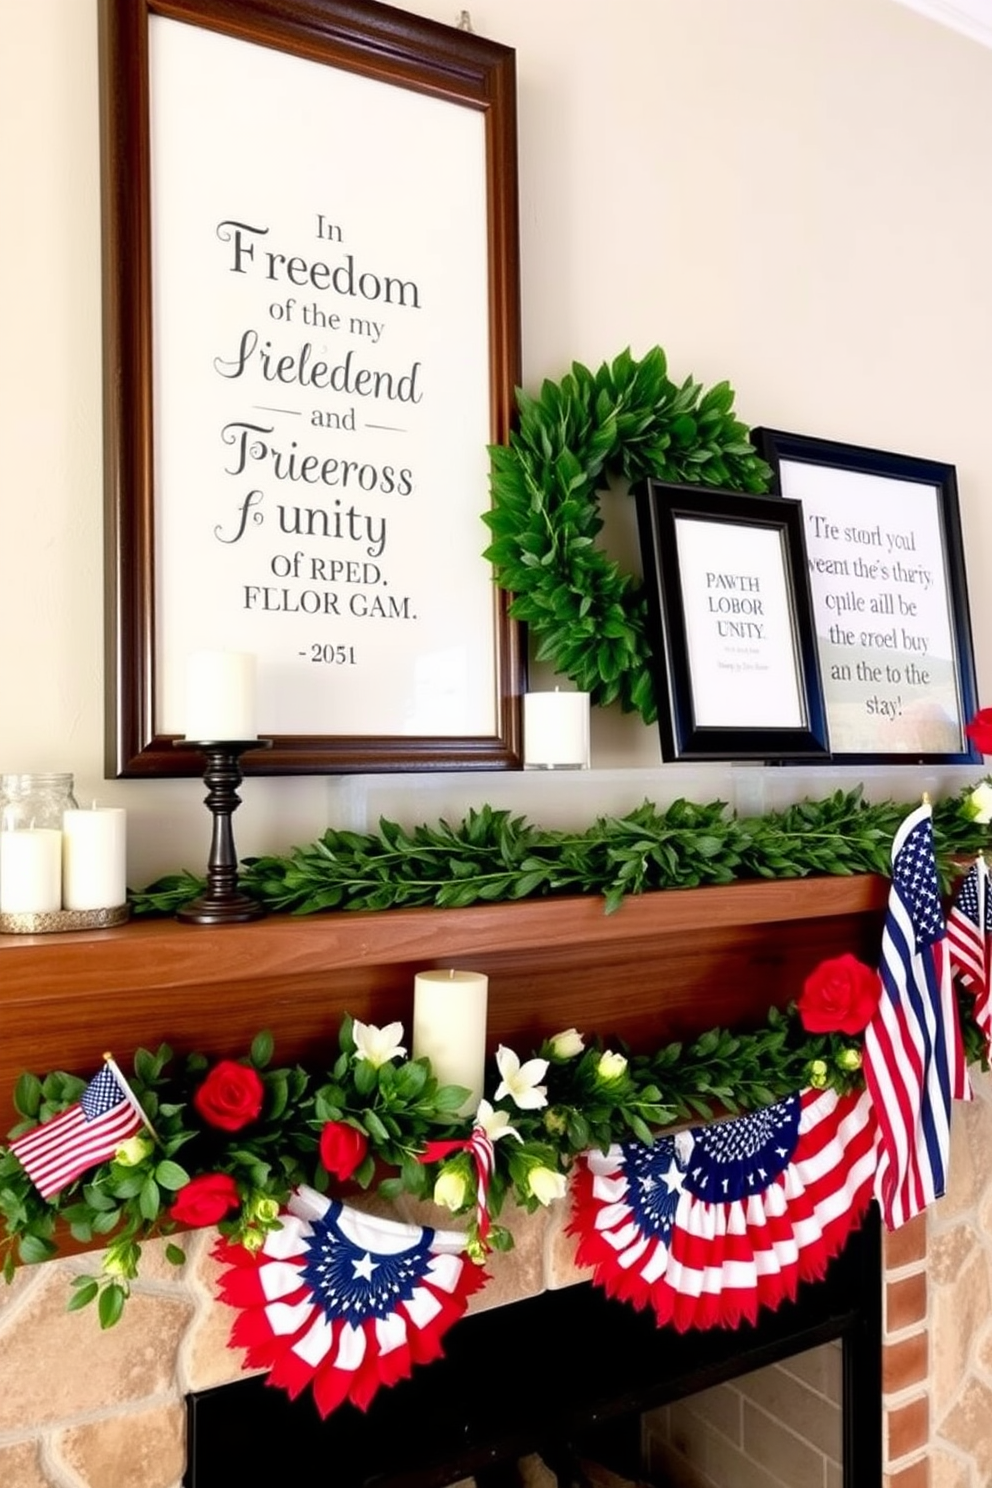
(556, 730)
(94, 858)
(449, 1028)
(220, 696)
(31, 871)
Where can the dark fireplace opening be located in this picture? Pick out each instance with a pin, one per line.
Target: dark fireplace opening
(565, 1375)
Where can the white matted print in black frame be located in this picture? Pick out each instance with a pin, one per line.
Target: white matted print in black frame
(890, 598)
(734, 653)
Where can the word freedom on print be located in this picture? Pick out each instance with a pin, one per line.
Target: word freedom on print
(299, 366)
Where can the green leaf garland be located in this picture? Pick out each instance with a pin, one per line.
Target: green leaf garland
(494, 856)
(595, 1096)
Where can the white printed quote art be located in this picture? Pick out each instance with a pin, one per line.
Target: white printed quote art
(321, 363)
(880, 600)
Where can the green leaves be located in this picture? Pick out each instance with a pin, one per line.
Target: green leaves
(111, 1304)
(85, 1289)
(493, 856)
(33, 1248)
(27, 1095)
(626, 421)
(261, 1050)
(398, 1108)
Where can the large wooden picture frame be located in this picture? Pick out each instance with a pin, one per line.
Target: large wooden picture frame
(311, 305)
(890, 597)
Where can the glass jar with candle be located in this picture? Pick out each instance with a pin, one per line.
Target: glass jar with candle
(34, 801)
(31, 811)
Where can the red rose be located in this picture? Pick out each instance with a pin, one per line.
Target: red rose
(230, 1096)
(979, 730)
(342, 1148)
(205, 1200)
(839, 996)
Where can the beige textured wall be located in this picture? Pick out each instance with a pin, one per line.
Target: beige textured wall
(792, 196)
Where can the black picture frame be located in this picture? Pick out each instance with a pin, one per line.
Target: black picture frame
(730, 683)
(889, 594)
(316, 693)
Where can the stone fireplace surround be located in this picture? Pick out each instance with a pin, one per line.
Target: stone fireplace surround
(81, 1409)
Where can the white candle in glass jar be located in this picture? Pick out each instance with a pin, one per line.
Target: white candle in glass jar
(31, 870)
(556, 730)
(220, 696)
(94, 858)
(449, 1028)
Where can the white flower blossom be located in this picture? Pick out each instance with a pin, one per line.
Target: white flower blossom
(567, 1044)
(377, 1045)
(450, 1189)
(980, 801)
(520, 1081)
(611, 1066)
(495, 1124)
(133, 1151)
(545, 1185)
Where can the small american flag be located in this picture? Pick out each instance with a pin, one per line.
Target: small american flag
(968, 937)
(85, 1134)
(913, 1055)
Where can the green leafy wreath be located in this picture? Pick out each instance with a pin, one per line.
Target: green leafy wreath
(626, 420)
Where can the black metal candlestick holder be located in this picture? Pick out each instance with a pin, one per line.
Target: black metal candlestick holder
(222, 903)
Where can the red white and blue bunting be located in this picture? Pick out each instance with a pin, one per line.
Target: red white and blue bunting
(705, 1227)
(711, 1224)
(345, 1301)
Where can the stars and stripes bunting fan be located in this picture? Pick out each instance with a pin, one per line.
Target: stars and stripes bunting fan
(85, 1134)
(968, 938)
(709, 1225)
(914, 1059)
(344, 1301)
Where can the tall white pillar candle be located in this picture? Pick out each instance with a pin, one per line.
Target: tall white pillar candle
(556, 730)
(94, 858)
(31, 871)
(220, 695)
(449, 1028)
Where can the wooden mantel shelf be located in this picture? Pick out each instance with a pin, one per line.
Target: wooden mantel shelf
(664, 965)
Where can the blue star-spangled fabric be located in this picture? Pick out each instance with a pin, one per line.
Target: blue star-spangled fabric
(349, 1282)
(914, 877)
(657, 1178)
(734, 1159)
(102, 1094)
(721, 1163)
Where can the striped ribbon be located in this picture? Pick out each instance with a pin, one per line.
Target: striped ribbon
(480, 1148)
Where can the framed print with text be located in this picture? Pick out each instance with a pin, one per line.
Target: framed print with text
(730, 625)
(311, 338)
(890, 597)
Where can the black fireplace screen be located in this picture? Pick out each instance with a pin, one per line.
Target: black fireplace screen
(569, 1370)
